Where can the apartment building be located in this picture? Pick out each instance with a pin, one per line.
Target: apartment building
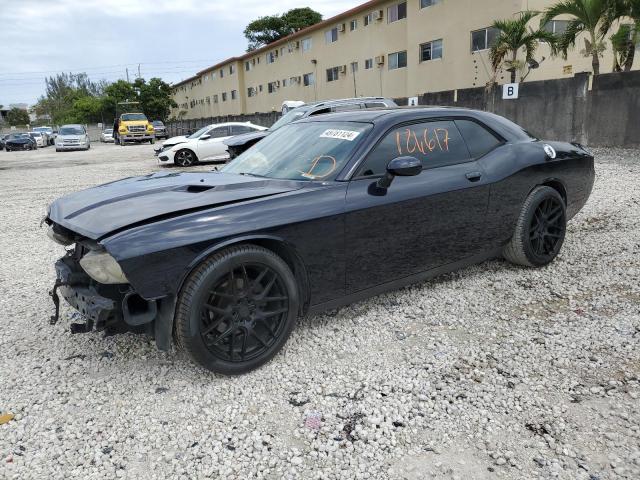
(392, 48)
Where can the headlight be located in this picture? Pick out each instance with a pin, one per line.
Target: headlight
(57, 237)
(103, 268)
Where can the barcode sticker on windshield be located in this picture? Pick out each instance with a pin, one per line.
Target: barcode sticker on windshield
(340, 134)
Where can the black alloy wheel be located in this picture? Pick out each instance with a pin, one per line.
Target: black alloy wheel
(184, 158)
(540, 229)
(546, 230)
(237, 309)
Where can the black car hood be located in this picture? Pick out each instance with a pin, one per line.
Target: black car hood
(19, 141)
(244, 138)
(107, 208)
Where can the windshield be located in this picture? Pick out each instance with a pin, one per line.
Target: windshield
(71, 131)
(158, 123)
(302, 151)
(199, 133)
(292, 116)
(35, 134)
(108, 131)
(43, 129)
(128, 117)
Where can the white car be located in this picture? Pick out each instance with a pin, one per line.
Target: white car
(72, 137)
(204, 145)
(289, 105)
(41, 139)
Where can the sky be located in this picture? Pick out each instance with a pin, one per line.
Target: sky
(170, 39)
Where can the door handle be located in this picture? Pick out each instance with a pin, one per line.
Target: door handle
(473, 176)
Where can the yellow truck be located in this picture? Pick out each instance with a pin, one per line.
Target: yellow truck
(134, 127)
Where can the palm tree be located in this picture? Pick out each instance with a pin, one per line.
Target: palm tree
(514, 36)
(588, 16)
(625, 39)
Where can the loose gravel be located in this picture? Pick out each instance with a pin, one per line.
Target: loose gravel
(494, 371)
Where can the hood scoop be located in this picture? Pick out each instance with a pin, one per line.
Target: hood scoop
(193, 188)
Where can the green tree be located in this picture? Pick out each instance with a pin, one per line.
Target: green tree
(588, 17)
(155, 98)
(266, 30)
(17, 116)
(515, 36)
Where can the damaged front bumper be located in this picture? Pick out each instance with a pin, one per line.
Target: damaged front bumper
(109, 308)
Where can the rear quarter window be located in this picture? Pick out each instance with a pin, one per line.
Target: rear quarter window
(480, 141)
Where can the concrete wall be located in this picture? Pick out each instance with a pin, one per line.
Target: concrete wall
(608, 114)
(567, 109)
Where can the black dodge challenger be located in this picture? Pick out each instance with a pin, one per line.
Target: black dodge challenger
(325, 211)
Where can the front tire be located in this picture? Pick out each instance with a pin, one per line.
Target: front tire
(237, 309)
(185, 158)
(540, 229)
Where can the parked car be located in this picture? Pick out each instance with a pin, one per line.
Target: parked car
(72, 137)
(160, 129)
(3, 139)
(208, 146)
(107, 135)
(20, 141)
(325, 211)
(290, 105)
(170, 142)
(239, 144)
(48, 132)
(40, 138)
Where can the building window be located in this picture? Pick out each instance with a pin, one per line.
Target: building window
(232, 69)
(247, 65)
(307, 43)
(484, 38)
(557, 27)
(333, 74)
(331, 35)
(353, 24)
(428, 3)
(368, 64)
(260, 87)
(221, 73)
(213, 75)
(397, 60)
(431, 50)
(368, 19)
(271, 87)
(354, 67)
(285, 82)
(308, 79)
(224, 96)
(397, 12)
(271, 57)
(215, 99)
(251, 92)
(234, 94)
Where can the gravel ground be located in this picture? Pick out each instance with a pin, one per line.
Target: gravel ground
(491, 372)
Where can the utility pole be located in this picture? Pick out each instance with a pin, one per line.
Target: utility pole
(127, 70)
(138, 70)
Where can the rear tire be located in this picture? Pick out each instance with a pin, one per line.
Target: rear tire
(237, 309)
(540, 229)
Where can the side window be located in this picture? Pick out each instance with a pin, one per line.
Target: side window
(321, 111)
(347, 107)
(238, 129)
(435, 143)
(374, 105)
(479, 140)
(218, 132)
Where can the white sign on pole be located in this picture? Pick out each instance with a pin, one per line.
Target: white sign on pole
(510, 91)
(99, 125)
(413, 101)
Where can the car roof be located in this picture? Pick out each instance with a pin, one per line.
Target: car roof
(390, 116)
(72, 125)
(342, 101)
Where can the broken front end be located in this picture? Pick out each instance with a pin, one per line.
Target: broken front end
(93, 283)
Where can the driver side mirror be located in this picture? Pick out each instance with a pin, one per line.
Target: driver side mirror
(205, 136)
(400, 167)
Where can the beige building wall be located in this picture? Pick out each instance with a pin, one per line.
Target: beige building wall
(450, 21)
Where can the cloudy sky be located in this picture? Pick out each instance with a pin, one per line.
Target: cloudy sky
(171, 39)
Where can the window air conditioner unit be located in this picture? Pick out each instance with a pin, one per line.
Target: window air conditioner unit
(343, 69)
(378, 15)
(297, 44)
(278, 83)
(341, 28)
(299, 79)
(380, 60)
